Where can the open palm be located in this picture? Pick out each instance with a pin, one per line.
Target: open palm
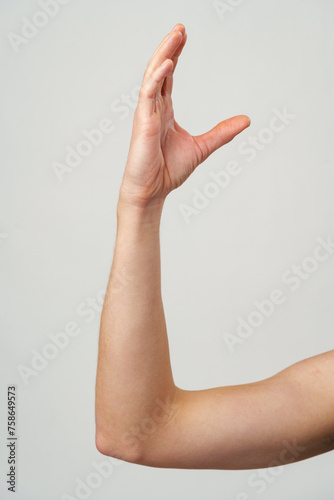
(162, 154)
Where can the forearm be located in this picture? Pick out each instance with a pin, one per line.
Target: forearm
(142, 417)
(134, 386)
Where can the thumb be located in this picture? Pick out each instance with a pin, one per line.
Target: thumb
(221, 134)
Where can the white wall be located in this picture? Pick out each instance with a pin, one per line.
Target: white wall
(57, 233)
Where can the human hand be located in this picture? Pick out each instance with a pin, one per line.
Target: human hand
(162, 154)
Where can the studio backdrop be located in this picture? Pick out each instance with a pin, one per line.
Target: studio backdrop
(244, 289)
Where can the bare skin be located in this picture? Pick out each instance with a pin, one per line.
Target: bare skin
(141, 415)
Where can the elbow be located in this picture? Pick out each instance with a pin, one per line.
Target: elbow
(135, 443)
(103, 445)
(125, 449)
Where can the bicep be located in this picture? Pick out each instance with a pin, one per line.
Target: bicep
(285, 418)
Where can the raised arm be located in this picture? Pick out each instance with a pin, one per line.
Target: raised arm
(141, 415)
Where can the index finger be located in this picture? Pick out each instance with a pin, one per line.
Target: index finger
(177, 27)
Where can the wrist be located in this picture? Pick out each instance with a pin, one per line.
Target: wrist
(147, 214)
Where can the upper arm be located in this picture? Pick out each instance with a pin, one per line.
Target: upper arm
(285, 418)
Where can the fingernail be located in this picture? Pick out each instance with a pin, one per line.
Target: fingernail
(178, 26)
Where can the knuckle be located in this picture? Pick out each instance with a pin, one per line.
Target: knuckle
(142, 92)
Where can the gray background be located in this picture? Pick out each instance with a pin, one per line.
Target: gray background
(57, 238)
